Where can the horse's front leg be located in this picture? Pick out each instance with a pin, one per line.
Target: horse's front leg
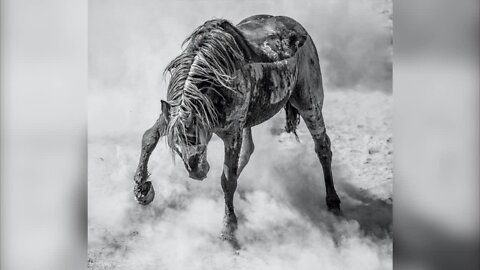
(247, 149)
(143, 190)
(233, 145)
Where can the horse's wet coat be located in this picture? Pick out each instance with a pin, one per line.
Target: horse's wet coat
(270, 86)
(270, 78)
(246, 74)
(276, 37)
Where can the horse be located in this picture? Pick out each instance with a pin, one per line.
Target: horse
(227, 79)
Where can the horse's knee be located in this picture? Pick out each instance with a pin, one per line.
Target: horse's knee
(228, 181)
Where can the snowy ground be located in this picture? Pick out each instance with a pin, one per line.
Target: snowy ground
(283, 222)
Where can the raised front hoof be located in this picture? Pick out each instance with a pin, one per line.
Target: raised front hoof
(144, 193)
(333, 205)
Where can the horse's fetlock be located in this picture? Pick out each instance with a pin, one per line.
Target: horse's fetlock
(333, 201)
(141, 175)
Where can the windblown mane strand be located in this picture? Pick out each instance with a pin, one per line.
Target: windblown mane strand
(210, 59)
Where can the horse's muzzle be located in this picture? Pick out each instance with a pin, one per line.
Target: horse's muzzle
(197, 169)
(197, 175)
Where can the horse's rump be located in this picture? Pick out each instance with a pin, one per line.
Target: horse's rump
(274, 37)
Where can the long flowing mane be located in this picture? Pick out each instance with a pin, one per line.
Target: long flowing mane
(209, 61)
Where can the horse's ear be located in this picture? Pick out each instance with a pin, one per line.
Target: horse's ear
(166, 109)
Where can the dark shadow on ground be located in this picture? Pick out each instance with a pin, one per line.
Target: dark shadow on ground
(305, 191)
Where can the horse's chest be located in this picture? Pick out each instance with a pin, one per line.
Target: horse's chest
(270, 86)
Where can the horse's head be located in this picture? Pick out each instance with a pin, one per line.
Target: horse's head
(189, 139)
(204, 72)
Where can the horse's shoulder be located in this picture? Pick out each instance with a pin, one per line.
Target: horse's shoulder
(274, 37)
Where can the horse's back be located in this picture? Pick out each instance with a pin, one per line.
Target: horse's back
(274, 38)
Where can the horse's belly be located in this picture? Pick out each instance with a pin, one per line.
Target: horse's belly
(260, 111)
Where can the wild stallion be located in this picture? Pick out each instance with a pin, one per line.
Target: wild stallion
(228, 79)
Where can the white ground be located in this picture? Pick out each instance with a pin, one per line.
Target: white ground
(283, 223)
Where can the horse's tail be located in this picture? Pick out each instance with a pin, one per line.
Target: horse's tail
(293, 119)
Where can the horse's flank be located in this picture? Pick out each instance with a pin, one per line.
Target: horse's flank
(271, 85)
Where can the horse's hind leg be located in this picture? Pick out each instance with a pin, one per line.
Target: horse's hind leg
(314, 121)
(143, 189)
(308, 101)
(307, 98)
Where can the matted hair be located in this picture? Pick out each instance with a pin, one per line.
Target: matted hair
(210, 59)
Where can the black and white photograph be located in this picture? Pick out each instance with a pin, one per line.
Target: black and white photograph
(240, 135)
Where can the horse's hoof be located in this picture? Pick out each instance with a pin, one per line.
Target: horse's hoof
(230, 238)
(144, 193)
(336, 211)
